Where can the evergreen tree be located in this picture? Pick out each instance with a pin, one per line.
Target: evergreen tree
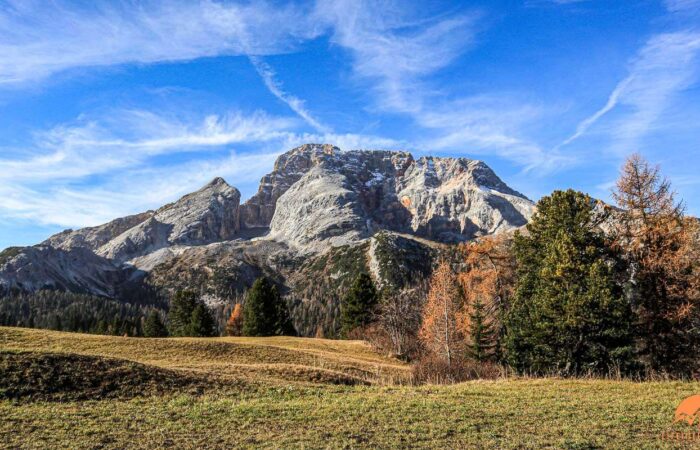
(265, 312)
(284, 326)
(154, 326)
(480, 344)
(487, 283)
(180, 316)
(201, 322)
(568, 314)
(358, 305)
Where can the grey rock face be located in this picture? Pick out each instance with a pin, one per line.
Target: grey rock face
(208, 215)
(95, 237)
(46, 267)
(258, 211)
(350, 195)
(318, 210)
(451, 200)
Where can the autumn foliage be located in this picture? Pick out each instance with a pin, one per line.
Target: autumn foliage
(439, 331)
(234, 324)
(660, 246)
(487, 284)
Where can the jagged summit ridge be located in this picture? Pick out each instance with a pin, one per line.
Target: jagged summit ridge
(346, 196)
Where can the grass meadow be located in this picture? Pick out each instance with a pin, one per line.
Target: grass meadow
(66, 390)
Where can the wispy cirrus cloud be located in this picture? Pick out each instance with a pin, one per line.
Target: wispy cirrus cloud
(394, 47)
(269, 77)
(123, 139)
(682, 5)
(40, 39)
(398, 50)
(95, 169)
(667, 64)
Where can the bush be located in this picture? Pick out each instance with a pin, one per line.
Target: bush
(431, 369)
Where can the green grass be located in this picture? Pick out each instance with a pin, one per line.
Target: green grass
(281, 409)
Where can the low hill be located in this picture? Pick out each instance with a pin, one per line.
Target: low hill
(271, 360)
(65, 390)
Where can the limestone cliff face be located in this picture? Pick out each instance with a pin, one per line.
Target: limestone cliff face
(95, 237)
(258, 211)
(45, 267)
(210, 214)
(451, 200)
(347, 196)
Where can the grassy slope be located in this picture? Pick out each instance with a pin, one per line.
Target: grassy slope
(276, 407)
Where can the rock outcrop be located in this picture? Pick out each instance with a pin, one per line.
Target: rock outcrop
(348, 196)
(210, 214)
(258, 211)
(45, 267)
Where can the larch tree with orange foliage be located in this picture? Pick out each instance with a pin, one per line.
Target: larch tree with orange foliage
(660, 246)
(439, 331)
(487, 284)
(234, 325)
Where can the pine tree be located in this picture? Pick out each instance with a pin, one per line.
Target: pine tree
(265, 311)
(180, 316)
(568, 314)
(439, 330)
(154, 326)
(201, 322)
(234, 325)
(358, 305)
(480, 333)
(662, 250)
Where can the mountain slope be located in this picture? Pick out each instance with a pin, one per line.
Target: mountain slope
(318, 204)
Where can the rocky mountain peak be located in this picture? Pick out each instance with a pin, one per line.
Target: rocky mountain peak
(317, 197)
(215, 183)
(208, 215)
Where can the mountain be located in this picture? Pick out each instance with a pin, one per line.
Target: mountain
(321, 215)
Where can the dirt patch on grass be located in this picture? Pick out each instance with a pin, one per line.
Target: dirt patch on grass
(65, 376)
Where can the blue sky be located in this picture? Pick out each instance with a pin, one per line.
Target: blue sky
(110, 108)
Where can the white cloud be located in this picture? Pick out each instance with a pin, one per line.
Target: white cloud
(94, 170)
(128, 138)
(665, 66)
(268, 76)
(682, 5)
(397, 50)
(394, 47)
(130, 191)
(39, 39)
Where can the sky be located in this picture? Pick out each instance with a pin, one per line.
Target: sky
(113, 108)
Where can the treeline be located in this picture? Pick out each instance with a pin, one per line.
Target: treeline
(66, 311)
(185, 314)
(585, 289)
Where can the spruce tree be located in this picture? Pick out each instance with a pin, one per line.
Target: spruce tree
(358, 305)
(480, 345)
(201, 322)
(265, 311)
(568, 315)
(154, 326)
(180, 316)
